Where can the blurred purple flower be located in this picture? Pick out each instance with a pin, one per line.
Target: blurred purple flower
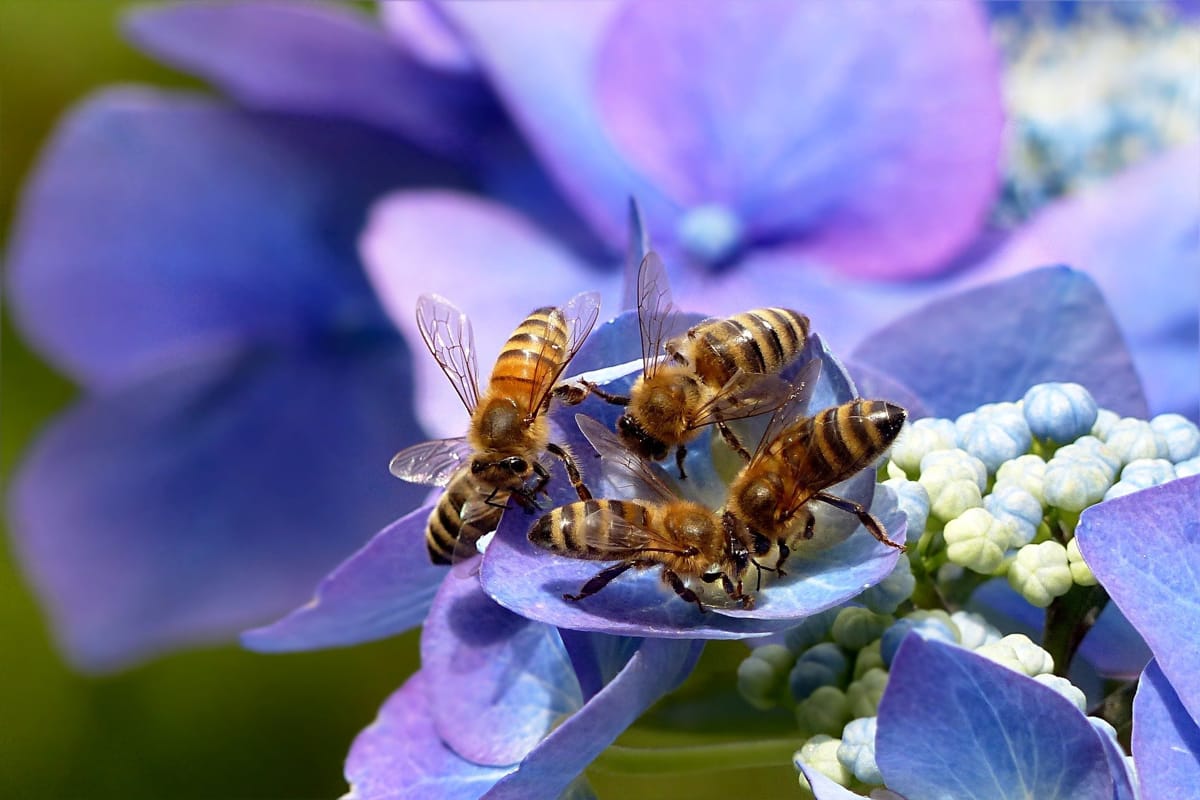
(1145, 549)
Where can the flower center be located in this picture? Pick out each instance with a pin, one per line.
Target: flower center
(710, 233)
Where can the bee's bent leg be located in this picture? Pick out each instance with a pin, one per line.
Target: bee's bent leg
(543, 477)
(527, 501)
(734, 590)
(671, 579)
(784, 552)
(497, 502)
(733, 441)
(572, 471)
(869, 522)
(680, 455)
(574, 394)
(600, 580)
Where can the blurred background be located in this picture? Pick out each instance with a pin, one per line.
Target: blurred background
(221, 722)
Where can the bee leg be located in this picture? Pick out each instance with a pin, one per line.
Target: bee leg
(869, 522)
(785, 551)
(600, 580)
(733, 441)
(671, 579)
(526, 501)
(574, 395)
(543, 477)
(493, 502)
(572, 471)
(680, 455)
(735, 591)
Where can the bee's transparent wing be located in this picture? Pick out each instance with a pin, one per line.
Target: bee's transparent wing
(578, 317)
(606, 532)
(794, 406)
(655, 311)
(479, 516)
(630, 472)
(448, 335)
(432, 463)
(746, 394)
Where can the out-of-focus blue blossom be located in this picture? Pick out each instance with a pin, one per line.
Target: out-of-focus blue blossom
(887, 595)
(1144, 549)
(855, 627)
(864, 693)
(857, 750)
(823, 664)
(1059, 412)
(763, 675)
(995, 433)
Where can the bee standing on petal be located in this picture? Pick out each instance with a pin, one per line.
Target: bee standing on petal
(500, 456)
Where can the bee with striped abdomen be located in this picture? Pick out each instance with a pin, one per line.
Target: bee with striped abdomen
(720, 370)
(686, 539)
(508, 433)
(802, 456)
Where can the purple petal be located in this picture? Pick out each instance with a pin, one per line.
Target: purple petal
(823, 788)
(873, 382)
(313, 58)
(198, 502)
(400, 755)
(597, 658)
(490, 262)
(992, 343)
(418, 28)
(655, 669)
(1145, 549)
(1166, 740)
(382, 590)
(873, 139)
(550, 100)
(1136, 235)
(985, 731)
(503, 681)
(158, 226)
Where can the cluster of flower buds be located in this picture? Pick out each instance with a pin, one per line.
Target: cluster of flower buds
(998, 491)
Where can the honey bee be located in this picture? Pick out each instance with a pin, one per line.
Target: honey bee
(798, 459)
(508, 432)
(720, 370)
(684, 538)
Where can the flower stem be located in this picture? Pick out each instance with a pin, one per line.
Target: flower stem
(696, 758)
(1068, 619)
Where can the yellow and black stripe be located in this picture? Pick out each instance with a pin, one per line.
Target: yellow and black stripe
(445, 522)
(764, 340)
(843, 440)
(532, 356)
(584, 529)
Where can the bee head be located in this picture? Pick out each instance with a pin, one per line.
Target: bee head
(504, 472)
(639, 441)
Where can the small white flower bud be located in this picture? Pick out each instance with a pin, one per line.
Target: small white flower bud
(1081, 573)
(1040, 572)
(1065, 688)
(1017, 652)
(977, 540)
(919, 437)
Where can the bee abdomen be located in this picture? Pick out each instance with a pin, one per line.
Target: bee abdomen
(536, 347)
(852, 435)
(582, 529)
(764, 340)
(445, 524)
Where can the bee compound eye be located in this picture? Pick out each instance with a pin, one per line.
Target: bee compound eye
(477, 467)
(517, 465)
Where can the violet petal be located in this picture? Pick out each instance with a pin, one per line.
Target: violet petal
(400, 755)
(1166, 739)
(873, 138)
(161, 225)
(188, 506)
(1145, 549)
(314, 58)
(503, 680)
(985, 731)
(993, 342)
(490, 262)
(382, 590)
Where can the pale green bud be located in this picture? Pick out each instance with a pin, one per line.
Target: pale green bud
(855, 627)
(1040, 572)
(864, 694)
(1065, 688)
(919, 437)
(820, 753)
(1081, 573)
(978, 541)
(1017, 652)
(826, 711)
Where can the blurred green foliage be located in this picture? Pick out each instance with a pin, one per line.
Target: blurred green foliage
(220, 723)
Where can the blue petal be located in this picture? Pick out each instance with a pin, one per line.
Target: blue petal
(400, 755)
(383, 589)
(869, 139)
(823, 788)
(198, 502)
(550, 99)
(503, 681)
(655, 669)
(158, 226)
(1125, 782)
(452, 244)
(1145, 549)
(314, 58)
(992, 343)
(1148, 216)
(597, 658)
(1166, 739)
(985, 732)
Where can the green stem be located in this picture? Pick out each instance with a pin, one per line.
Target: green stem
(1117, 710)
(1068, 619)
(696, 758)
